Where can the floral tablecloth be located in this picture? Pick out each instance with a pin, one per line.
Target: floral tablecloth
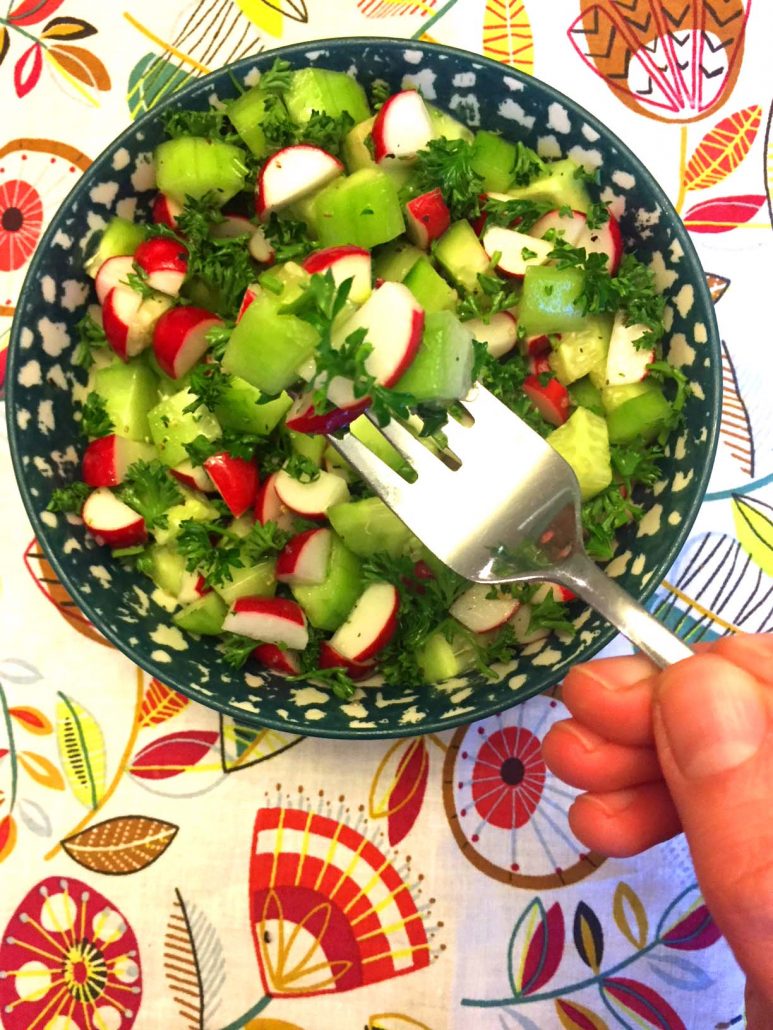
(161, 867)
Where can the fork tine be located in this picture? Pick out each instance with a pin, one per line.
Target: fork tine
(419, 456)
(373, 470)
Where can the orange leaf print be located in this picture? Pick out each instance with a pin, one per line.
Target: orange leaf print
(7, 836)
(31, 719)
(722, 149)
(68, 29)
(159, 704)
(81, 64)
(573, 1016)
(41, 769)
(507, 35)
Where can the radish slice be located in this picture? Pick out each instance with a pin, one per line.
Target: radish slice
(370, 625)
(627, 363)
(551, 399)
(344, 262)
(292, 173)
(113, 272)
(279, 659)
(426, 218)
(180, 338)
(499, 334)
(273, 620)
(329, 658)
(165, 263)
(268, 506)
(402, 127)
(304, 558)
(194, 477)
(106, 460)
(311, 499)
(517, 251)
(572, 226)
(481, 613)
(111, 521)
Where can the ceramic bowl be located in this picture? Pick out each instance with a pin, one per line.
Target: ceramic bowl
(45, 444)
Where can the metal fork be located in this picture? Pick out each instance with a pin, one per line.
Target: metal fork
(503, 507)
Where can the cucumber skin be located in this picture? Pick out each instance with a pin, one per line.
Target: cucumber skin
(252, 581)
(493, 158)
(192, 166)
(550, 300)
(368, 527)
(362, 209)
(429, 288)
(129, 391)
(204, 616)
(640, 418)
(461, 254)
(246, 113)
(441, 372)
(331, 93)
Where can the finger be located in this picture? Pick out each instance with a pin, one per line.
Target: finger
(713, 723)
(752, 652)
(584, 759)
(613, 697)
(622, 823)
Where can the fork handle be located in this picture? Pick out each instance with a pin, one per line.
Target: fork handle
(633, 620)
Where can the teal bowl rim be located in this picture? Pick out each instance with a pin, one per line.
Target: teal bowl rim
(696, 278)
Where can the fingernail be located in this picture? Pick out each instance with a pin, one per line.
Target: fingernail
(587, 740)
(714, 716)
(611, 804)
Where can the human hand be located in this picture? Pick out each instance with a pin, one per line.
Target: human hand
(688, 748)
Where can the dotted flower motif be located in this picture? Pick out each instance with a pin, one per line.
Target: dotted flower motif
(68, 961)
(506, 810)
(330, 909)
(21, 222)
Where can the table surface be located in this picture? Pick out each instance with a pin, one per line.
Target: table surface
(153, 893)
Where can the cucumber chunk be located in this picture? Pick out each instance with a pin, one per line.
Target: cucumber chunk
(248, 112)
(243, 408)
(167, 569)
(443, 124)
(129, 391)
(362, 209)
(461, 254)
(267, 347)
(441, 659)
(204, 616)
(171, 427)
(640, 417)
(191, 166)
(550, 301)
(120, 237)
(430, 289)
(328, 603)
(395, 260)
(441, 372)
(194, 507)
(583, 441)
(561, 186)
(331, 93)
(251, 581)
(578, 352)
(368, 527)
(586, 395)
(493, 158)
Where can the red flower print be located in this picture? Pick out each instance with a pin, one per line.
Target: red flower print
(21, 221)
(68, 960)
(508, 777)
(328, 909)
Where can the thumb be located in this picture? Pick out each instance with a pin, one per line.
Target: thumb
(713, 723)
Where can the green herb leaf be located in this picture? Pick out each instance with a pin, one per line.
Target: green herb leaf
(214, 561)
(95, 421)
(277, 78)
(151, 491)
(90, 336)
(208, 382)
(527, 165)
(447, 163)
(70, 498)
(301, 468)
(289, 238)
(236, 649)
(523, 212)
(603, 515)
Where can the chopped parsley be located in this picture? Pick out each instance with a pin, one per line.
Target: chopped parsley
(447, 163)
(527, 165)
(208, 383)
(215, 561)
(95, 420)
(90, 336)
(151, 491)
(70, 498)
(288, 237)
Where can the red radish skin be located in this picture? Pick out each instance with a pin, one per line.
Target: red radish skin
(427, 218)
(304, 558)
(194, 477)
(278, 659)
(113, 272)
(370, 625)
(128, 320)
(271, 620)
(344, 262)
(106, 460)
(402, 127)
(479, 612)
(249, 296)
(537, 346)
(551, 399)
(312, 499)
(236, 480)
(201, 588)
(329, 658)
(165, 211)
(559, 593)
(517, 251)
(500, 333)
(165, 263)
(180, 338)
(111, 521)
(292, 173)
(539, 364)
(268, 506)
(304, 418)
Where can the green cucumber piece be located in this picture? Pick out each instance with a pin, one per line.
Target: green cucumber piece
(171, 427)
(441, 659)
(129, 391)
(580, 351)
(205, 615)
(443, 124)
(442, 369)
(355, 153)
(362, 209)
(191, 166)
(248, 112)
(586, 395)
(308, 445)
(550, 300)
(243, 408)
(583, 441)
(120, 237)
(363, 429)
(194, 507)
(331, 93)
(493, 158)
(251, 581)
(429, 288)
(561, 186)
(368, 527)
(614, 396)
(461, 254)
(267, 347)
(395, 260)
(639, 418)
(168, 568)
(328, 603)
